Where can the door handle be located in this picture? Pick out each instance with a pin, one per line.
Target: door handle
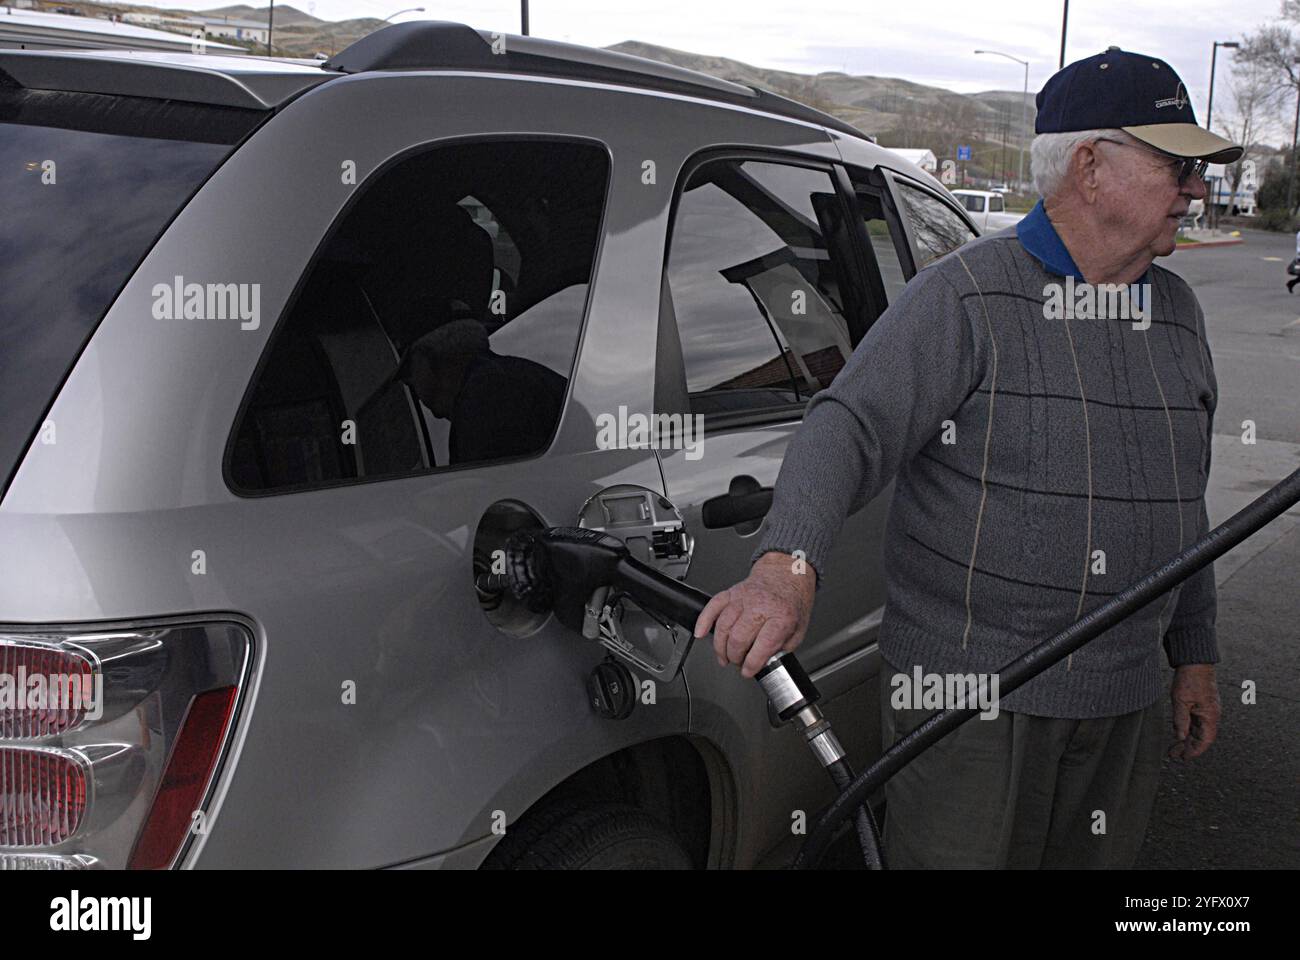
(743, 506)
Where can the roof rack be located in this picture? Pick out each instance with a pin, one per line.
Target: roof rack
(443, 45)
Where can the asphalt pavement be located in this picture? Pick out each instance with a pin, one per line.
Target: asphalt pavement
(1239, 804)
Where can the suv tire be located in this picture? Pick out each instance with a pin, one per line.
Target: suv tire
(591, 836)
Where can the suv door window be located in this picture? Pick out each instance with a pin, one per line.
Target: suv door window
(995, 204)
(439, 322)
(936, 227)
(758, 285)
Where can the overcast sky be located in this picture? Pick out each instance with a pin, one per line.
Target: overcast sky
(929, 41)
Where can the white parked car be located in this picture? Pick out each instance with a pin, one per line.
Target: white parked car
(988, 209)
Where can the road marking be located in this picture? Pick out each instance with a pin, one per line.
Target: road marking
(1272, 259)
(1292, 323)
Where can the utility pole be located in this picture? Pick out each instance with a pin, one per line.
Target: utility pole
(523, 16)
(270, 27)
(1290, 186)
(1065, 19)
(1006, 128)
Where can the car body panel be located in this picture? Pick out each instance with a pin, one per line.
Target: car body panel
(455, 726)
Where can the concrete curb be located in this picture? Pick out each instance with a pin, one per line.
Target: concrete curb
(1229, 242)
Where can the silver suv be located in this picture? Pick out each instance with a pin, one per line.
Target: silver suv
(289, 349)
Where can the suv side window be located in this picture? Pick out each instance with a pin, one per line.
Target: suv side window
(937, 228)
(438, 324)
(995, 204)
(757, 285)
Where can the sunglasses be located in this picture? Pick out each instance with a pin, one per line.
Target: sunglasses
(1187, 166)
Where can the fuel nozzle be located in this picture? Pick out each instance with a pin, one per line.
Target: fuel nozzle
(794, 697)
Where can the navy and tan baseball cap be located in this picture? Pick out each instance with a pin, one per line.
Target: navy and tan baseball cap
(1140, 95)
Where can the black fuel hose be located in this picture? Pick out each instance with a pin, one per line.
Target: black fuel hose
(1214, 544)
(873, 851)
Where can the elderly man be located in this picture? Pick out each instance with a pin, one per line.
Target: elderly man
(1050, 444)
(499, 406)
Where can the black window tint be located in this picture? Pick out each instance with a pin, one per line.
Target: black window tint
(87, 183)
(439, 323)
(936, 227)
(758, 296)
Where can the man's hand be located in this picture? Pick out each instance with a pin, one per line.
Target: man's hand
(1196, 709)
(765, 613)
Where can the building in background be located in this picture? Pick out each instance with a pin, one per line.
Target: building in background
(924, 159)
(1238, 202)
(232, 29)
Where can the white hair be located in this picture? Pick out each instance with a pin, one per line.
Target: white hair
(457, 341)
(1050, 155)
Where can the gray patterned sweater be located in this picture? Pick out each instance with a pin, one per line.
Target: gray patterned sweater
(1041, 466)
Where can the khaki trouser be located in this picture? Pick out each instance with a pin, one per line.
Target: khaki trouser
(1023, 791)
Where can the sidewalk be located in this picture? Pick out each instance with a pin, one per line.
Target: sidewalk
(1209, 238)
(1239, 473)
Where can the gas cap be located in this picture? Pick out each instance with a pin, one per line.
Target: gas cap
(611, 690)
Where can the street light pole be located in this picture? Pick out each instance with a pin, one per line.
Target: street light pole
(400, 12)
(1214, 53)
(1024, 108)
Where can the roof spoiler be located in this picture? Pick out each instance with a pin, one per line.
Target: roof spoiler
(104, 72)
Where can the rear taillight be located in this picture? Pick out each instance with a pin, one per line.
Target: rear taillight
(42, 797)
(55, 685)
(110, 741)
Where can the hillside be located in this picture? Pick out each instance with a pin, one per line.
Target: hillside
(299, 34)
(285, 15)
(898, 112)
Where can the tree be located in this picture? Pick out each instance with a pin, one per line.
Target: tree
(1274, 50)
(1274, 47)
(1255, 93)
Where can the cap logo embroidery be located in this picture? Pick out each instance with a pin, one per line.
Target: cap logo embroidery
(1178, 100)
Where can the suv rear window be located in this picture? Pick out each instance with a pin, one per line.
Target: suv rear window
(87, 183)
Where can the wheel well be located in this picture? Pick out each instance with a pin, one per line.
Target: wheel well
(667, 779)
